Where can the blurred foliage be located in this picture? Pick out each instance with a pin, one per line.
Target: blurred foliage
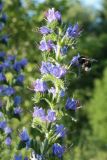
(24, 17)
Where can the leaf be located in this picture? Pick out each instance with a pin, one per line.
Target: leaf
(37, 97)
(21, 145)
(58, 83)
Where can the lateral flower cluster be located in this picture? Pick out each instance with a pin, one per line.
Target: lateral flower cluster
(50, 87)
(11, 77)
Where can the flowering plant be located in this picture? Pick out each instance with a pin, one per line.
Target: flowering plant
(51, 99)
(11, 80)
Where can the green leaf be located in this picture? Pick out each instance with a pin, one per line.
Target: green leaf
(58, 83)
(37, 97)
(21, 145)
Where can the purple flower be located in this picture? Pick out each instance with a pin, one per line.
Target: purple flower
(55, 70)
(58, 71)
(1, 67)
(4, 18)
(11, 58)
(2, 77)
(60, 130)
(1, 104)
(9, 91)
(7, 130)
(39, 157)
(1, 6)
(2, 124)
(53, 15)
(71, 104)
(64, 50)
(24, 135)
(75, 61)
(23, 62)
(52, 90)
(1, 26)
(1, 89)
(45, 46)
(6, 63)
(40, 86)
(26, 158)
(1, 114)
(17, 66)
(46, 67)
(51, 116)
(17, 100)
(20, 64)
(62, 93)
(73, 31)
(20, 79)
(39, 113)
(2, 56)
(18, 157)
(8, 141)
(17, 111)
(58, 150)
(45, 30)
(4, 39)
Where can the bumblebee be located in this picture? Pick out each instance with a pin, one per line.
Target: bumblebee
(86, 63)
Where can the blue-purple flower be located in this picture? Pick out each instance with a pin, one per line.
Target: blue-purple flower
(1, 6)
(3, 124)
(71, 104)
(1, 89)
(1, 104)
(64, 50)
(8, 141)
(39, 113)
(2, 77)
(1, 26)
(45, 30)
(1, 114)
(62, 93)
(55, 70)
(52, 90)
(40, 86)
(60, 130)
(20, 79)
(74, 61)
(24, 135)
(6, 63)
(23, 62)
(4, 18)
(45, 45)
(18, 157)
(17, 66)
(9, 91)
(58, 71)
(53, 15)
(17, 100)
(26, 158)
(11, 58)
(58, 150)
(4, 39)
(20, 64)
(17, 111)
(73, 31)
(51, 116)
(2, 56)
(46, 67)
(39, 157)
(7, 130)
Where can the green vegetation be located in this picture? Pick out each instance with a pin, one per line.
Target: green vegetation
(89, 136)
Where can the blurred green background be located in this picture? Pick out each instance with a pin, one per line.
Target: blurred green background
(89, 137)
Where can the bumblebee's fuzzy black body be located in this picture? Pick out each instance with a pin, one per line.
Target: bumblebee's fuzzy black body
(86, 63)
